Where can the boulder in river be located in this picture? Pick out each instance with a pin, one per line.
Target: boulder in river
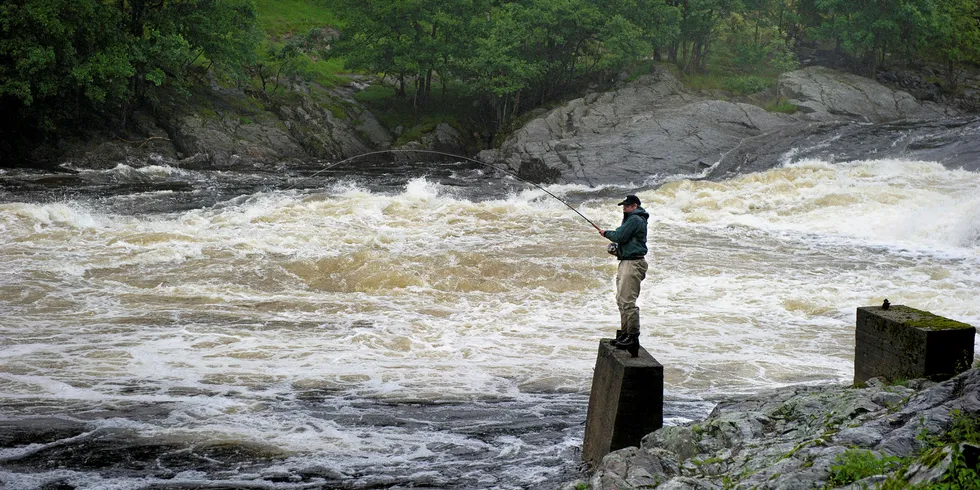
(650, 128)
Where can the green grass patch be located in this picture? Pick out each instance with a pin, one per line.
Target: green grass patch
(644, 68)
(856, 464)
(704, 81)
(748, 84)
(328, 72)
(728, 82)
(286, 17)
(780, 105)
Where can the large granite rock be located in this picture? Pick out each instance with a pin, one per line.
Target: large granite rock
(789, 438)
(650, 128)
(822, 94)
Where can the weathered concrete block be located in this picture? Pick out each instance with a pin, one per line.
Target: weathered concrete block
(906, 343)
(626, 403)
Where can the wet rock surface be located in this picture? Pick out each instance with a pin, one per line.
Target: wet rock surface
(230, 129)
(954, 142)
(823, 94)
(652, 129)
(789, 438)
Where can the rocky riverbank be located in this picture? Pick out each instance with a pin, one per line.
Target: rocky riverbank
(649, 128)
(804, 437)
(232, 129)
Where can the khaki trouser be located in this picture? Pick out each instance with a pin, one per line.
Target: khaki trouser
(628, 278)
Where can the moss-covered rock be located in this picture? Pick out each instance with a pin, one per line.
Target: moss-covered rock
(798, 437)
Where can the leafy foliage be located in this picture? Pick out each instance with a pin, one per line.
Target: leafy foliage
(511, 54)
(62, 61)
(964, 428)
(747, 84)
(955, 38)
(856, 464)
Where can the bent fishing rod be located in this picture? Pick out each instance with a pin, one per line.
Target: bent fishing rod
(434, 152)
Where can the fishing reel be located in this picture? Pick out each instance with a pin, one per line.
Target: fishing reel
(613, 249)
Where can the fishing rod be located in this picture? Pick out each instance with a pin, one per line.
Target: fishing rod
(434, 152)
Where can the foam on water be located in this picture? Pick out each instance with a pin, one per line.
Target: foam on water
(232, 314)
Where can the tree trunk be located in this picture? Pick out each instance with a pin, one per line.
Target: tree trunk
(428, 87)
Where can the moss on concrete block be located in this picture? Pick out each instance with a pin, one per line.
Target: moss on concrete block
(925, 320)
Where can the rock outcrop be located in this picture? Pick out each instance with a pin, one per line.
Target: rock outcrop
(649, 128)
(222, 128)
(790, 438)
(822, 94)
(652, 128)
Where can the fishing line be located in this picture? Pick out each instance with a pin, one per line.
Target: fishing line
(507, 171)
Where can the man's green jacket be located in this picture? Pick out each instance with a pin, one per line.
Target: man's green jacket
(631, 235)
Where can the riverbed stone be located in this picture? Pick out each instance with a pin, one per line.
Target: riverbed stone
(863, 437)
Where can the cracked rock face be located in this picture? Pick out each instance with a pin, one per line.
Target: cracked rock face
(646, 130)
(823, 94)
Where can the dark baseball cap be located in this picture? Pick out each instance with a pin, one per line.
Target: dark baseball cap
(630, 199)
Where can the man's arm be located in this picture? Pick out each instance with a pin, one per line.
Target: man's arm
(626, 230)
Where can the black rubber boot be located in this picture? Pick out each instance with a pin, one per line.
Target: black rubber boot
(634, 348)
(621, 337)
(631, 343)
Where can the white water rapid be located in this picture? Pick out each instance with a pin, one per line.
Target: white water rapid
(304, 324)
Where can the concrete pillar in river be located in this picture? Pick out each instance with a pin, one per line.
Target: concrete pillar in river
(900, 343)
(626, 402)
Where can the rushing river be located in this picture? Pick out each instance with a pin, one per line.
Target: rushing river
(424, 325)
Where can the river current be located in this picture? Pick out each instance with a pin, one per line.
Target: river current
(426, 325)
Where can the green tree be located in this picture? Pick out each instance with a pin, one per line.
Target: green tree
(168, 36)
(275, 63)
(512, 54)
(698, 30)
(871, 29)
(955, 40)
(410, 40)
(59, 58)
(756, 37)
(65, 61)
(498, 68)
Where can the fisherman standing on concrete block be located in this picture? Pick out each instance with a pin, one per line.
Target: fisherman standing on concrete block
(629, 244)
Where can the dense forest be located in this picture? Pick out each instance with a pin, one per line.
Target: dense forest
(66, 64)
